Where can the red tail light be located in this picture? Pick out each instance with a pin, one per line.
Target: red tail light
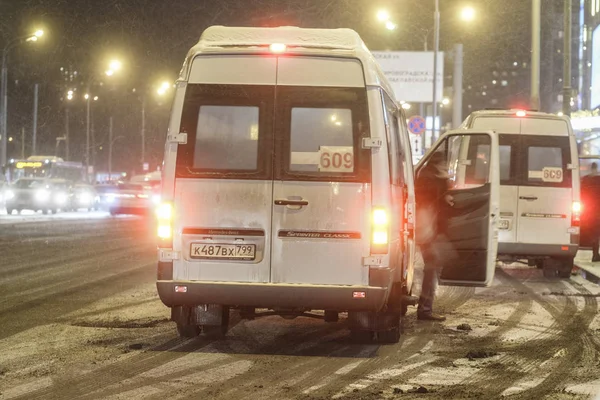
(576, 214)
(164, 216)
(379, 231)
(521, 113)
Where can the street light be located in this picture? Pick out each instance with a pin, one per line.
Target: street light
(113, 65)
(162, 90)
(383, 15)
(467, 14)
(4, 88)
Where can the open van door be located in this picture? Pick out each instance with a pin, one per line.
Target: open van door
(467, 247)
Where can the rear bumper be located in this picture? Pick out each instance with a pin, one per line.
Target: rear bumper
(533, 250)
(267, 295)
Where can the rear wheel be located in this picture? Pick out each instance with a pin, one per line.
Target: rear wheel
(188, 331)
(558, 267)
(390, 336)
(361, 336)
(9, 211)
(565, 267)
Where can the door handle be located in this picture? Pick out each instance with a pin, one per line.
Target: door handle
(286, 202)
(528, 198)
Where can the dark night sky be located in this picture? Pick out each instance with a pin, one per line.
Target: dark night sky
(153, 36)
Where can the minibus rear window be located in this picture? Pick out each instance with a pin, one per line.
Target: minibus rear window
(547, 161)
(226, 138)
(229, 132)
(321, 140)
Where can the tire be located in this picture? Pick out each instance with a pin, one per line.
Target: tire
(331, 316)
(9, 211)
(359, 336)
(539, 264)
(188, 331)
(46, 211)
(390, 337)
(565, 267)
(558, 267)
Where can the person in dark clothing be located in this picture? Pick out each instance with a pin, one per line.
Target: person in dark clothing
(590, 222)
(431, 189)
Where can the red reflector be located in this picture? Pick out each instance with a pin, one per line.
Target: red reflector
(359, 295)
(564, 248)
(180, 289)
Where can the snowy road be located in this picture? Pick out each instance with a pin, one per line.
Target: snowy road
(80, 319)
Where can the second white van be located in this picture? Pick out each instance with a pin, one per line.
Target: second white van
(540, 208)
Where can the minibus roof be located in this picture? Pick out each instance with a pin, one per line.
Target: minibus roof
(296, 41)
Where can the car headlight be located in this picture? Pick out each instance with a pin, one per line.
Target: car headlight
(61, 198)
(9, 194)
(85, 197)
(42, 195)
(156, 199)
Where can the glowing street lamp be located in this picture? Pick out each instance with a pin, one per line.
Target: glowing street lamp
(383, 15)
(115, 65)
(4, 89)
(467, 14)
(390, 25)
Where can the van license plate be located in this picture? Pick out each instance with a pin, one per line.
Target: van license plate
(243, 252)
(503, 224)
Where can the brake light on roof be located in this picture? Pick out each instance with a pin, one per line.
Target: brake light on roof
(521, 113)
(380, 228)
(278, 48)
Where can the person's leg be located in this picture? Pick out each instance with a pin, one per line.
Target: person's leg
(595, 247)
(427, 291)
(428, 288)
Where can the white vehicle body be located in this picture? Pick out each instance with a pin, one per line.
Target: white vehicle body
(287, 182)
(539, 195)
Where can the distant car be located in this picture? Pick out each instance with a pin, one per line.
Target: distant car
(3, 188)
(35, 194)
(106, 195)
(130, 198)
(84, 196)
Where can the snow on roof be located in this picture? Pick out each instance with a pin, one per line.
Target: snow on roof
(342, 42)
(219, 36)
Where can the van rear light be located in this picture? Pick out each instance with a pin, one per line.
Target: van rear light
(521, 113)
(278, 48)
(164, 216)
(576, 215)
(380, 231)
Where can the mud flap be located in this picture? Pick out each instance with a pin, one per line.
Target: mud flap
(373, 321)
(211, 315)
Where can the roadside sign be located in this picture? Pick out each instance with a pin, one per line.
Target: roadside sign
(416, 124)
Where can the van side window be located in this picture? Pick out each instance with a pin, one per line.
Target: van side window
(540, 159)
(546, 161)
(467, 159)
(393, 140)
(321, 140)
(226, 138)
